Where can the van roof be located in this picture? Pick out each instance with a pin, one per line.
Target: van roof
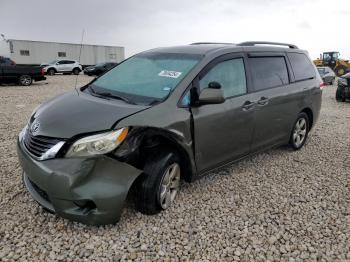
(202, 48)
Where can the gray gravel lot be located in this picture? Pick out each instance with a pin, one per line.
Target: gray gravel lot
(279, 205)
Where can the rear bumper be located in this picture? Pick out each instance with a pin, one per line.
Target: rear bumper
(87, 190)
(39, 78)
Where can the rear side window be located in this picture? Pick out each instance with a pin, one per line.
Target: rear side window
(230, 74)
(268, 72)
(302, 66)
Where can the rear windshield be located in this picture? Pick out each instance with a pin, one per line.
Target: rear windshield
(147, 77)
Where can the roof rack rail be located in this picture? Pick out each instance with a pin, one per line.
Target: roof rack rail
(211, 43)
(253, 43)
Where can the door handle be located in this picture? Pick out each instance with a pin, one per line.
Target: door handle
(248, 105)
(263, 101)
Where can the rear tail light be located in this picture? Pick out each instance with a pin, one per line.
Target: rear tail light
(322, 85)
(42, 72)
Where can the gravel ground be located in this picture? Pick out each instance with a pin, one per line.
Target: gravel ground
(279, 205)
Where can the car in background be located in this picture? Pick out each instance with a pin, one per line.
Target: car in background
(327, 74)
(23, 75)
(62, 66)
(99, 69)
(343, 89)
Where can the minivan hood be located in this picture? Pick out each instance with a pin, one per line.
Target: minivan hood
(76, 113)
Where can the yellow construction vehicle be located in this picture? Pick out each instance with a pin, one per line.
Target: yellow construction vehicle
(332, 60)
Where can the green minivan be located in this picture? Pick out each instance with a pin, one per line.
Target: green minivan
(162, 116)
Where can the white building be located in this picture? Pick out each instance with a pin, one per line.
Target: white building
(37, 52)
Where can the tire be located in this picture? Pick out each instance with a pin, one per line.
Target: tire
(51, 72)
(76, 71)
(25, 80)
(339, 95)
(300, 131)
(340, 70)
(154, 192)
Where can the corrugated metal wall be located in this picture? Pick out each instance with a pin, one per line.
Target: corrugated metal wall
(40, 52)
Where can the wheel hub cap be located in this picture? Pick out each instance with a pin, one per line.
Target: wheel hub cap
(170, 185)
(25, 80)
(299, 132)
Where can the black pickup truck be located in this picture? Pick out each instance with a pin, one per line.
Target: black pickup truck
(23, 75)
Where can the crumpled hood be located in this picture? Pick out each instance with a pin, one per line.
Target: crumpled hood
(76, 113)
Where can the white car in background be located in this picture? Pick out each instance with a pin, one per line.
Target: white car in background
(62, 66)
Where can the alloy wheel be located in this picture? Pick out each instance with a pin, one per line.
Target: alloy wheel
(25, 80)
(169, 186)
(299, 133)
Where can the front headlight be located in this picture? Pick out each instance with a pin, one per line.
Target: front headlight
(97, 144)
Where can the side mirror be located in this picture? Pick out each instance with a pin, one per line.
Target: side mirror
(211, 96)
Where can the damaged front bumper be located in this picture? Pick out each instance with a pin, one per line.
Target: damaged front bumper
(87, 190)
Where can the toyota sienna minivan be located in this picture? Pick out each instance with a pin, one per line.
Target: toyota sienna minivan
(162, 116)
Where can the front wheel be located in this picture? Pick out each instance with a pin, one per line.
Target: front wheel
(160, 184)
(76, 71)
(339, 96)
(51, 72)
(25, 80)
(300, 131)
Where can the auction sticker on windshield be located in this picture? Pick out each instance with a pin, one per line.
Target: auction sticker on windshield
(172, 74)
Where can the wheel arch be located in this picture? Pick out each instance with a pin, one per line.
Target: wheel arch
(144, 140)
(310, 115)
(50, 69)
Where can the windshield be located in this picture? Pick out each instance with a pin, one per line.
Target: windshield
(321, 70)
(146, 78)
(53, 62)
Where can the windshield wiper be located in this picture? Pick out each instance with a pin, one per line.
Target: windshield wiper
(91, 89)
(154, 102)
(110, 95)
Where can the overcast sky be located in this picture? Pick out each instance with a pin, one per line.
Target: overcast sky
(314, 25)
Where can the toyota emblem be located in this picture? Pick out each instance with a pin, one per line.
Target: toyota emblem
(35, 127)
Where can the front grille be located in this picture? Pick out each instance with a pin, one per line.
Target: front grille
(38, 145)
(41, 192)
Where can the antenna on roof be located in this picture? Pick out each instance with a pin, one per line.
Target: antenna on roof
(81, 47)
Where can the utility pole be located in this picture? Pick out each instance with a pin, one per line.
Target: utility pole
(3, 38)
